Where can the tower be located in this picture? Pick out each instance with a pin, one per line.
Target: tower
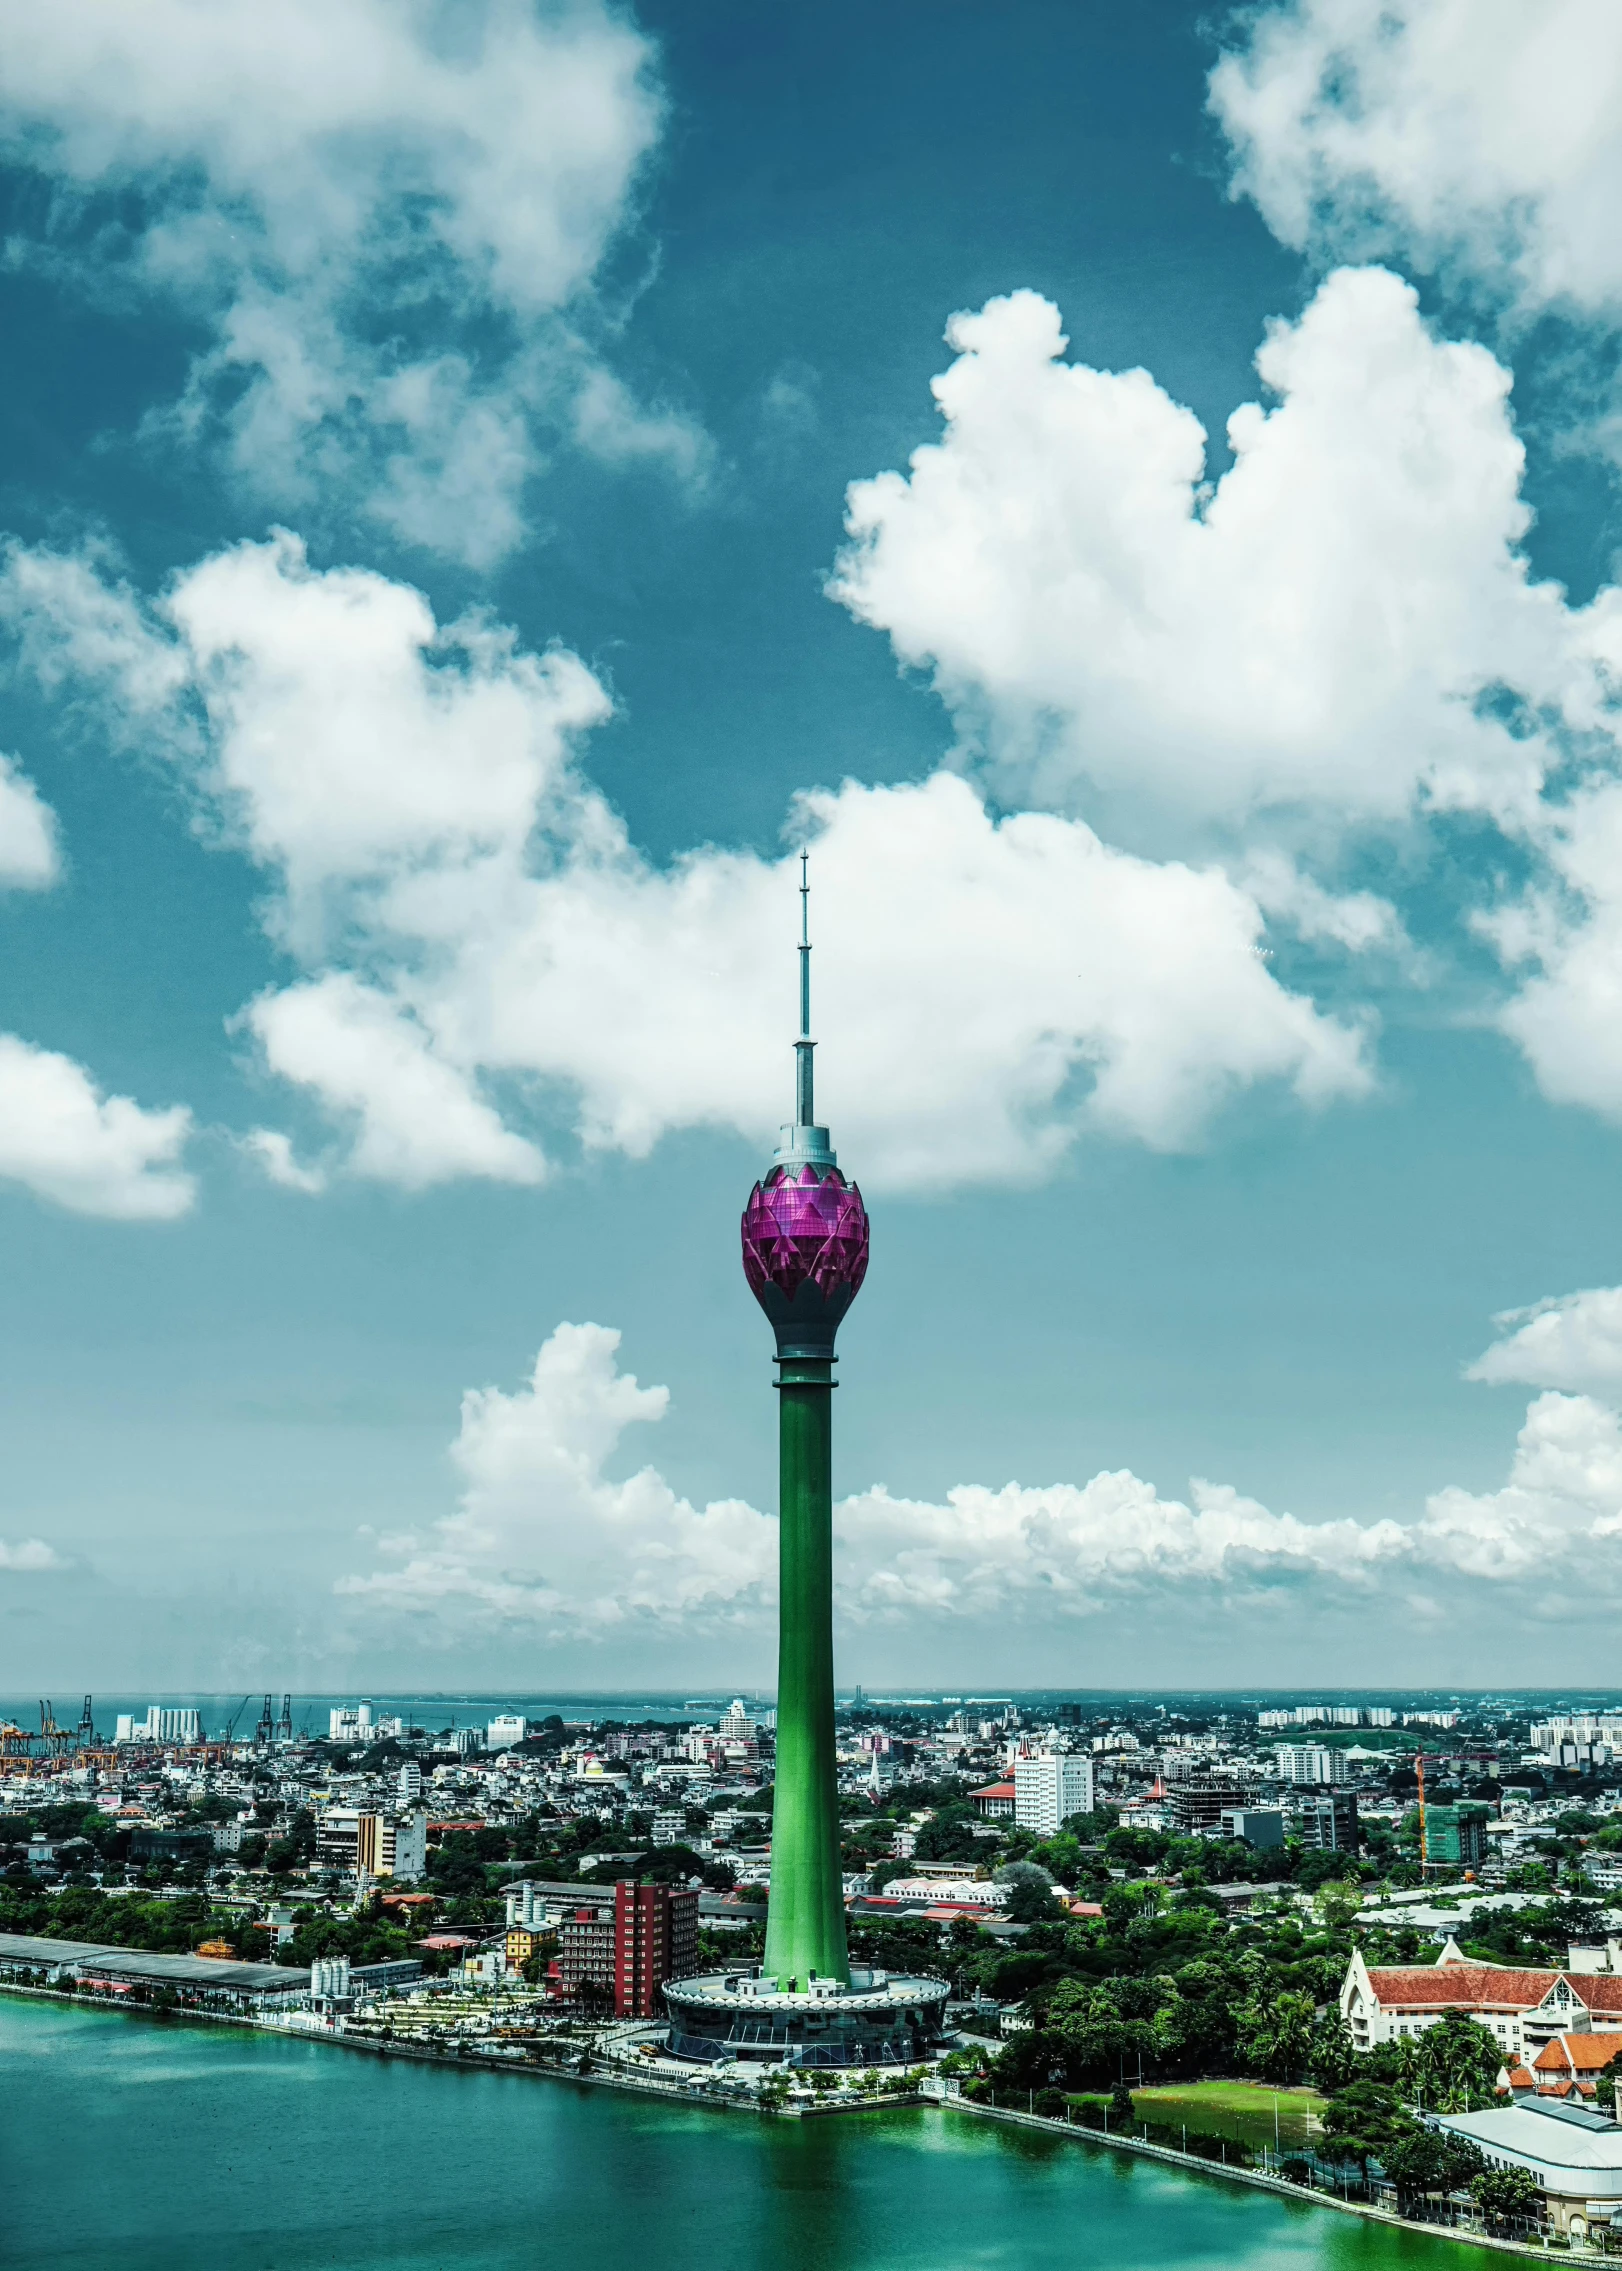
(805, 1250)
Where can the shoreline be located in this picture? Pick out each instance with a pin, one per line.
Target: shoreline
(1262, 2181)
(1191, 2164)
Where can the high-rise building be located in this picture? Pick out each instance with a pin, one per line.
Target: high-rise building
(586, 1953)
(805, 1253)
(655, 1939)
(1315, 1763)
(1326, 1822)
(410, 1781)
(1457, 1833)
(1050, 1788)
(505, 1730)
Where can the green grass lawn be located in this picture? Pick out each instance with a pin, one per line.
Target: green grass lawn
(1240, 2111)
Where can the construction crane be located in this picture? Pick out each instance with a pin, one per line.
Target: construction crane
(87, 1726)
(284, 1725)
(231, 1723)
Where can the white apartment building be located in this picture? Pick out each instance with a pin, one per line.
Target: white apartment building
(380, 1845)
(1050, 1788)
(505, 1730)
(1312, 1763)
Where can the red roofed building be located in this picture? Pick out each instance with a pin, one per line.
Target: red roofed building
(1522, 2010)
(995, 1800)
(1570, 2066)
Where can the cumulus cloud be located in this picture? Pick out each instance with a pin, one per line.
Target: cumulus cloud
(1103, 621)
(385, 214)
(544, 1538)
(28, 1555)
(1573, 1340)
(28, 850)
(541, 1537)
(484, 956)
(1473, 136)
(93, 1154)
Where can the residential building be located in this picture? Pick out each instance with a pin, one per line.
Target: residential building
(736, 1725)
(410, 1782)
(1050, 1788)
(670, 1826)
(1521, 2009)
(655, 1939)
(1326, 1822)
(520, 1945)
(585, 1963)
(1314, 1763)
(505, 1731)
(378, 1845)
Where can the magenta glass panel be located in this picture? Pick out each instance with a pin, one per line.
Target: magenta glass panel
(805, 1226)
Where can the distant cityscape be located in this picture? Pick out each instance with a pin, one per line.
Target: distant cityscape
(1352, 1875)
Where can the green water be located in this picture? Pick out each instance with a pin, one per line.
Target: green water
(146, 2146)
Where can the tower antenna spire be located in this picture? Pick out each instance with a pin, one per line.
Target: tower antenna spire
(804, 1106)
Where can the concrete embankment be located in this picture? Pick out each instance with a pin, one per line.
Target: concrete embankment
(1263, 2180)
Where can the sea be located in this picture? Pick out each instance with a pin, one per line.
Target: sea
(132, 2143)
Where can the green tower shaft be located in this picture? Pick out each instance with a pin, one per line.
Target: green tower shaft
(805, 1930)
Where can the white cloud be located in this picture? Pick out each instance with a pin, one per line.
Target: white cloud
(485, 954)
(28, 853)
(272, 1150)
(1555, 1515)
(1474, 136)
(1570, 1341)
(27, 1555)
(420, 1121)
(387, 214)
(1104, 623)
(542, 1537)
(92, 1154)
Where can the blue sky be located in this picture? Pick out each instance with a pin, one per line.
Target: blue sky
(474, 504)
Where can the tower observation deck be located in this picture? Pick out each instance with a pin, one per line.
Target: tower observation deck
(805, 1254)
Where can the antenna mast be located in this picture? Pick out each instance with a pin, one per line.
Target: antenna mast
(804, 1109)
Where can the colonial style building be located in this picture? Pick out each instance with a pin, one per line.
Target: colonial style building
(1522, 2010)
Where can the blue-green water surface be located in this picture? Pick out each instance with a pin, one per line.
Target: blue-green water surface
(154, 2146)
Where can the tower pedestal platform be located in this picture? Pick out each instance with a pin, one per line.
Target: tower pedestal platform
(880, 2019)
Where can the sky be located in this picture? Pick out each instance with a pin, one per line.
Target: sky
(1135, 493)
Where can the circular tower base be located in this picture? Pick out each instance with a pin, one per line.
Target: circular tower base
(881, 2019)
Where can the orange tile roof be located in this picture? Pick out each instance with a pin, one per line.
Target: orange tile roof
(1576, 2054)
(1601, 1991)
(1462, 1986)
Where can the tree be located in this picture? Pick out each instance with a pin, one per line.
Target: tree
(1458, 2065)
(1366, 2120)
(1430, 2161)
(1331, 2058)
(1120, 2104)
(1503, 2194)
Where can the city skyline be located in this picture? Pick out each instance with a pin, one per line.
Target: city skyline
(1138, 501)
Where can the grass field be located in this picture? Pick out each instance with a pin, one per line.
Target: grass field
(1243, 2112)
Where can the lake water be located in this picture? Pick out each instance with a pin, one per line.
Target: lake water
(173, 2147)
